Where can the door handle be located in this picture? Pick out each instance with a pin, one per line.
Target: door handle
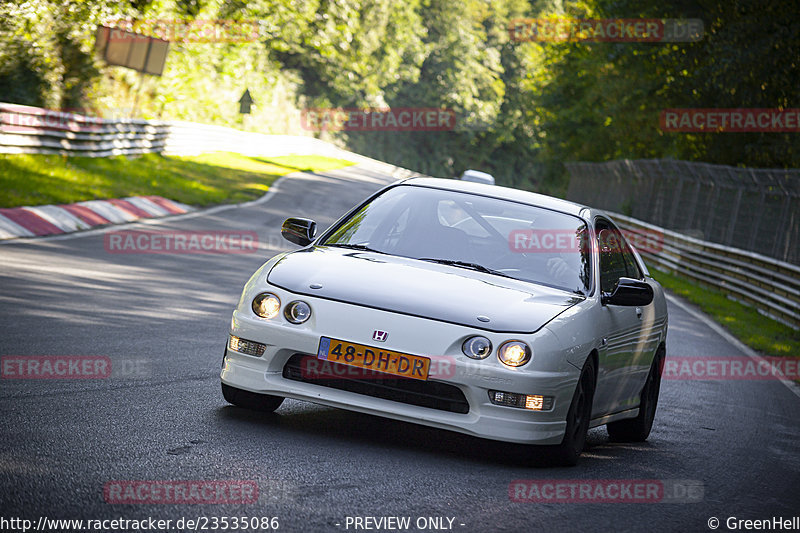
(639, 312)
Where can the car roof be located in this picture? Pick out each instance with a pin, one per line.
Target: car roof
(505, 193)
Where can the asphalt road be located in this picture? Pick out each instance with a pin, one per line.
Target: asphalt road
(62, 441)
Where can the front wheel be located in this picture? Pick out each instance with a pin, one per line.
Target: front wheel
(578, 416)
(638, 429)
(264, 403)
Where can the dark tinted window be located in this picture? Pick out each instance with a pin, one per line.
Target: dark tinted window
(616, 258)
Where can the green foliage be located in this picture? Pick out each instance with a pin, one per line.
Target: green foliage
(46, 50)
(523, 108)
(602, 101)
(345, 52)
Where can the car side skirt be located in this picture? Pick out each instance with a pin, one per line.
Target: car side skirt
(603, 420)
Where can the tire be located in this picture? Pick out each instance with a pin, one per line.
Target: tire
(264, 403)
(580, 413)
(638, 429)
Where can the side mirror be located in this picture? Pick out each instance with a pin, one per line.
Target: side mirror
(629, 292)
(299, 230)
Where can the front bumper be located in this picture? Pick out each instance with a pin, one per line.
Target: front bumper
(547, 376)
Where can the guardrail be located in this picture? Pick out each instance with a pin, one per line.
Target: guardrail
(34, 130)
(769, 285)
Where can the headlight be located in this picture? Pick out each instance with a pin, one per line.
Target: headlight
(477, 347)
(514, 353)
(266, 305)
(297, 312)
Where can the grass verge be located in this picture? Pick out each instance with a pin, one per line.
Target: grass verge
(745, 323)
(203, 180)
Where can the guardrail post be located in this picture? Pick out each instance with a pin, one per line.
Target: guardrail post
(733, 218)
(710, 211)
(781, 236)
(676, 202)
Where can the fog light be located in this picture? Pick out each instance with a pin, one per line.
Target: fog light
(533, 402)
(297, 312)
(514, 353)
(477, 347)
(246, 347)
(266, 305)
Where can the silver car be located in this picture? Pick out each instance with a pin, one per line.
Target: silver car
(499, 313)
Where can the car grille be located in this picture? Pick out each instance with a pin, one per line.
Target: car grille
(431, 394)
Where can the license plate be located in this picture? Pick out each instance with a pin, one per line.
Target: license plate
(371, 358)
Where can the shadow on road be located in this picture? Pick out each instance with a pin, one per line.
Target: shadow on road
(344, 429)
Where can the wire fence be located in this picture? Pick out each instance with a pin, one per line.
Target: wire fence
(757, 210)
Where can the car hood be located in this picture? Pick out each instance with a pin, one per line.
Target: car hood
(420, 288)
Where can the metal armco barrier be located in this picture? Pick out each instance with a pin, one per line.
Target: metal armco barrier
(771, 286)
(33, 130)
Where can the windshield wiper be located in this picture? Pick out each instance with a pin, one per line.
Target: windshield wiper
(468, 265)
(360, 247)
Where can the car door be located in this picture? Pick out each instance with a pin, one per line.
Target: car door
(648, 338)
(620, 326)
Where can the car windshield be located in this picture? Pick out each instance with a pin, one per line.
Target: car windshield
(480, 233)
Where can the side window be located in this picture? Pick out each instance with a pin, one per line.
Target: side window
(364, 228)
(630, 264)
(395, 233)
(612, 262)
